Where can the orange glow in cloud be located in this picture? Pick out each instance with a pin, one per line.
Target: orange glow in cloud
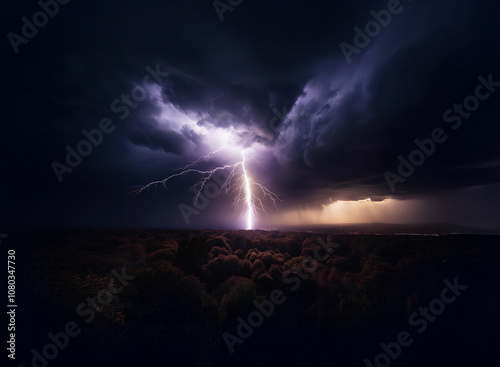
(361, 211)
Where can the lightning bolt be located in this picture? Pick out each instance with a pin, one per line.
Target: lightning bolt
(250, 196)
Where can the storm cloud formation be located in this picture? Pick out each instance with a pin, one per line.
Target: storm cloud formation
(346, 122)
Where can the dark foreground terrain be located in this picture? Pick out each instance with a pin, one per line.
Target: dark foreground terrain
(187, 298)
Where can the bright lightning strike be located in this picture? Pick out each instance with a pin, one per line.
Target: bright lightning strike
(250, 195)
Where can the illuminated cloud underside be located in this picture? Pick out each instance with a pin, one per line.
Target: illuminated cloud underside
(362, 211)
(250, 196)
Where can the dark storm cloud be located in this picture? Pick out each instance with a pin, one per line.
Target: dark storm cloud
(353, 121)
(155, 138)
(348, 122)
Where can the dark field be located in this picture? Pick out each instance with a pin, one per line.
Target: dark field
(178, 292)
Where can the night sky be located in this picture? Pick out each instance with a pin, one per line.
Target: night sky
(322, 111)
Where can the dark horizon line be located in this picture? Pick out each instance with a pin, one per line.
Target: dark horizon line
(344, 228)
